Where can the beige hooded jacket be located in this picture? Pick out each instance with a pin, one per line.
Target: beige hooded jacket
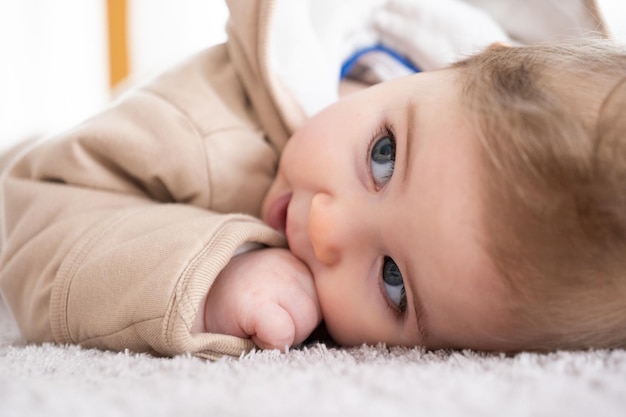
(114, 231)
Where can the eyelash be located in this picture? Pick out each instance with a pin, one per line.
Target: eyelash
(386, 129)
(399, 313)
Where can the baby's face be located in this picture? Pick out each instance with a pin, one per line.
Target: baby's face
(379, 195)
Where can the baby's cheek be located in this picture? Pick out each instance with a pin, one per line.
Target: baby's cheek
(336, 315)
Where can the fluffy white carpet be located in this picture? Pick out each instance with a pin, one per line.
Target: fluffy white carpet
(52, 380)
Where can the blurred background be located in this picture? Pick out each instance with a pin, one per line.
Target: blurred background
(56, 64)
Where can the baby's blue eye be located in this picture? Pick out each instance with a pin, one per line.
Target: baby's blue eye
(394, 284)
(383, 159)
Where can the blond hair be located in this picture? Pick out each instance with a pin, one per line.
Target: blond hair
(552, 123)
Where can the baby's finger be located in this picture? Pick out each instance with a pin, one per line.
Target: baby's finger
(305, 314)
(272, 327)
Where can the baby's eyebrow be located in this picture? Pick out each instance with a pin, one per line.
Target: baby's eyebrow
(420, 317)
(418, 306)
(411, 118)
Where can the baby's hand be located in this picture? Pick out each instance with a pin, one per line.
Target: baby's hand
(267, 295)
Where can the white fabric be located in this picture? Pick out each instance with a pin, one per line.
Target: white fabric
(435, 34)
(59, 381)
(531, 21)
(303, 49)
(310, 39)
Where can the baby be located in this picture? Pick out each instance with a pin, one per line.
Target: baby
(480, 206)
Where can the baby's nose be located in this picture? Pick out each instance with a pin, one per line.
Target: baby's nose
(330, 229)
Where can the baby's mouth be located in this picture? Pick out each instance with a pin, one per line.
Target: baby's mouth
(277, 213)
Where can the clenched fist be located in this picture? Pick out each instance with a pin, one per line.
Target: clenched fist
(267, 295)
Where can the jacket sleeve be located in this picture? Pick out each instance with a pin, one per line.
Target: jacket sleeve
(114, 231)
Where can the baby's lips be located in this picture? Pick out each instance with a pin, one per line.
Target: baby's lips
(277, 213)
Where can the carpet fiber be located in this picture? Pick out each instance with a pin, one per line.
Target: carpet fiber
(52, 380)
